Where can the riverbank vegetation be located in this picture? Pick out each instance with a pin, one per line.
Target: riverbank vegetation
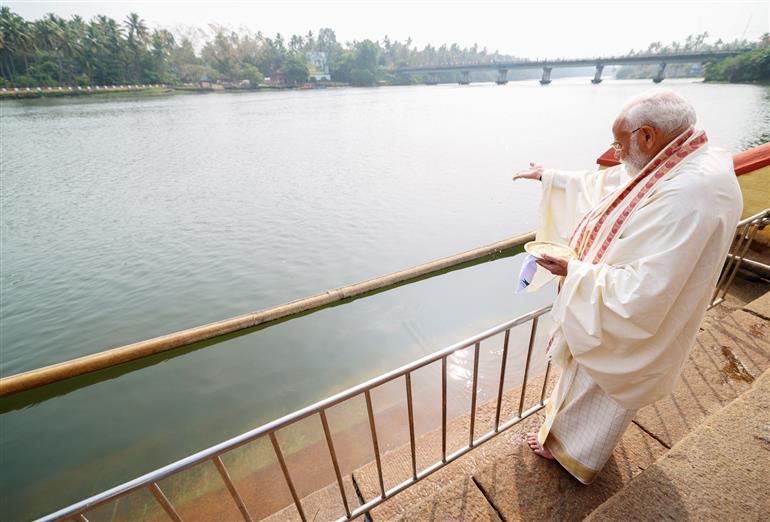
(751, 66)
(748, 67)
(54, 51)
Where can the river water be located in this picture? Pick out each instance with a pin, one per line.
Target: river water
(128, 218)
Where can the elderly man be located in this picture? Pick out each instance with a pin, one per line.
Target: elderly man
(651, 236)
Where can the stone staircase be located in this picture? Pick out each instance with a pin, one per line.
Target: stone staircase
(702, 453)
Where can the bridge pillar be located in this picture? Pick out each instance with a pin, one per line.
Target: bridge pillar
(546, 79)
(659, 77)
(598, 75)
(431, 78)
(465, 77)
(502, 77)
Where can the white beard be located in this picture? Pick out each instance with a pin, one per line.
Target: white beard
(635, 161)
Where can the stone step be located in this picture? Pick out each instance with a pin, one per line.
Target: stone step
(718, 472)
(728, 355)
(324, 504)
(730, 352)
(460, 499)
(430, 496)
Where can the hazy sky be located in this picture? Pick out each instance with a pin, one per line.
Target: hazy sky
(527, 29)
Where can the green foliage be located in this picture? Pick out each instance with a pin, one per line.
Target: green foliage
(251, 73)
(103, 51)
(362, 77)
(693, 43)
(295, 69)
(751, 66)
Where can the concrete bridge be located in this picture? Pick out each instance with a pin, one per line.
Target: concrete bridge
(502, 68)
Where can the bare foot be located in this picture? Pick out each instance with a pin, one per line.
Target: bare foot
(539, 450)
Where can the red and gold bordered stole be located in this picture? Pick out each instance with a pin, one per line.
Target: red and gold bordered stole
(596, 223)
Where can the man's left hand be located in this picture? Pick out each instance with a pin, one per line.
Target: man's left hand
(555, 265)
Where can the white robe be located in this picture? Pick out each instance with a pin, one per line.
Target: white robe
(628, 322)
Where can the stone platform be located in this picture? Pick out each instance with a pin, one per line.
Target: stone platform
(701, 453)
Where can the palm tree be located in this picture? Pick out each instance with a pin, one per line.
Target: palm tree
(137, 40)
(57, 40)
(162, 44)
(16, 38)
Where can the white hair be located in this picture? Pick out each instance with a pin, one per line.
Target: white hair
(663, 109)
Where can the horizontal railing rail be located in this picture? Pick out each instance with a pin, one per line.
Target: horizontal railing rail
(745, 233)
(213, 454)
(130, 352)
(744, 237)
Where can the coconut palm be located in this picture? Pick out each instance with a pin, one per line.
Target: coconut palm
(137, 41)
(16, 39)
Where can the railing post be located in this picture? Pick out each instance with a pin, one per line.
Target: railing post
(286, 475)
(231, 488)
(336, 465)
(375, 444)
(443, 409)
(473, 392)
(503, 360)
(410, 411)
(163, 501)
(751, 231)
(532, 334)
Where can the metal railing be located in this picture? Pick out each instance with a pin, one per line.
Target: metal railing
(213, 454)
(744, 236)
(745, 233)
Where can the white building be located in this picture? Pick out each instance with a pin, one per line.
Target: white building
(317, 67)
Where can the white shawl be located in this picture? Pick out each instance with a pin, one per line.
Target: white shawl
(630, 307)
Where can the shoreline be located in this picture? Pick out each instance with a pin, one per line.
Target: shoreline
(29, 93)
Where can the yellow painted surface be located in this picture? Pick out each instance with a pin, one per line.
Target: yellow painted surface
(755, 187)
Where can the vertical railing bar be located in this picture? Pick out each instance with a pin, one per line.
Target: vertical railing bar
(749, 239)
(473, 392)
(333, 454)
(733, 262)
(728, 264)
(734, 247)
(80, 518)
(373, 430)
(532, 334)
(286, 475)
(443, 408)
(502, 380)
(231, 487)
(163, 501)
(410, 411)
(545, 382)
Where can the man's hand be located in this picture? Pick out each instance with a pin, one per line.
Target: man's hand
(535, 171)
(555, 265)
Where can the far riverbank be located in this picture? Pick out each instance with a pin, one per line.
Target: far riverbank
(138, 90)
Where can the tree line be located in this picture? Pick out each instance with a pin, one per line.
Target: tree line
(751, 66)
(56, 51)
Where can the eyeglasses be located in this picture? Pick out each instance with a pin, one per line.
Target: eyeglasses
(618, 146)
